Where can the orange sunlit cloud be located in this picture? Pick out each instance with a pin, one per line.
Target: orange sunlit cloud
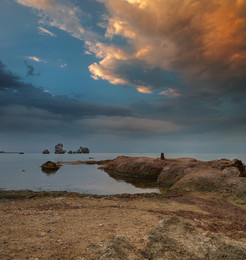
(145, 90)
(203, 40)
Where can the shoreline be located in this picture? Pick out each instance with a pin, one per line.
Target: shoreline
(203, 206)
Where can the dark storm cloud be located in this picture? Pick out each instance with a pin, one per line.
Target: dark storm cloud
(198, 115)
(24, 107)
(8, 79)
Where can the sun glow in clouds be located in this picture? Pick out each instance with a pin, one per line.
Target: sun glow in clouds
(204, 41)
(145, 90)
(170, 92)
(36, 59)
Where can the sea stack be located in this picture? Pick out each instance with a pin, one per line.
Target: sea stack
(83, 150)
(59, 149)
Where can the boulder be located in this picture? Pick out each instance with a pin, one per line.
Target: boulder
(50, 167)
(225, 164)
(118, 249)
(175, 238)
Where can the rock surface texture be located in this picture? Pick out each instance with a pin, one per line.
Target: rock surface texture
(118, 248)
(50, 167)
(175, 238)
(184, 174)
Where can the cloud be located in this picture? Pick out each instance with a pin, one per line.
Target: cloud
(33, 58)
(46, 32)
(145, 90)
(204, 41)
(64, 65)
(170, 92)
(119, 66)
(30, 70)
(25, 107)
(58, 15)
(131, 125)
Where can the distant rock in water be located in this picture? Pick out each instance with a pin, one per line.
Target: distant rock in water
(83, 150)
(59, 149)
(46, 151)
(86, 150)
(50, 167)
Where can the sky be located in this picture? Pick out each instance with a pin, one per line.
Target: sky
(123, 75)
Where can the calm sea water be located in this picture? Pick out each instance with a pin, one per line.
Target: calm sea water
(18, 172)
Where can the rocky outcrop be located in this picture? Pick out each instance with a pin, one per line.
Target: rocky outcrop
(46, 151)
(183, 174)
(176, 238)
(50, 167)
(118, 249)
(59, 149)
(138, 167)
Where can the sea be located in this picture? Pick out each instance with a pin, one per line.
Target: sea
(23, 171)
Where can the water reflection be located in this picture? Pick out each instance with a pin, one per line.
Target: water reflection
(137, 182)
(49, 171)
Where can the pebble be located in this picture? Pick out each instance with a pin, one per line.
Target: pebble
(42, 234)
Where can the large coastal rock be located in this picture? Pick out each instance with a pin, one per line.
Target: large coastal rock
(138, 167)
(176, 238)
(183, 174)
(46, 151)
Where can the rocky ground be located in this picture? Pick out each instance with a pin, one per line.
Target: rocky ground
(61, 225)
(201, 214)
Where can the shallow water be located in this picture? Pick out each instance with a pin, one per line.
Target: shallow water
(19, 172)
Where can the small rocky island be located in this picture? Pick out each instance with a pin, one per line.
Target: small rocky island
(59, 150)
